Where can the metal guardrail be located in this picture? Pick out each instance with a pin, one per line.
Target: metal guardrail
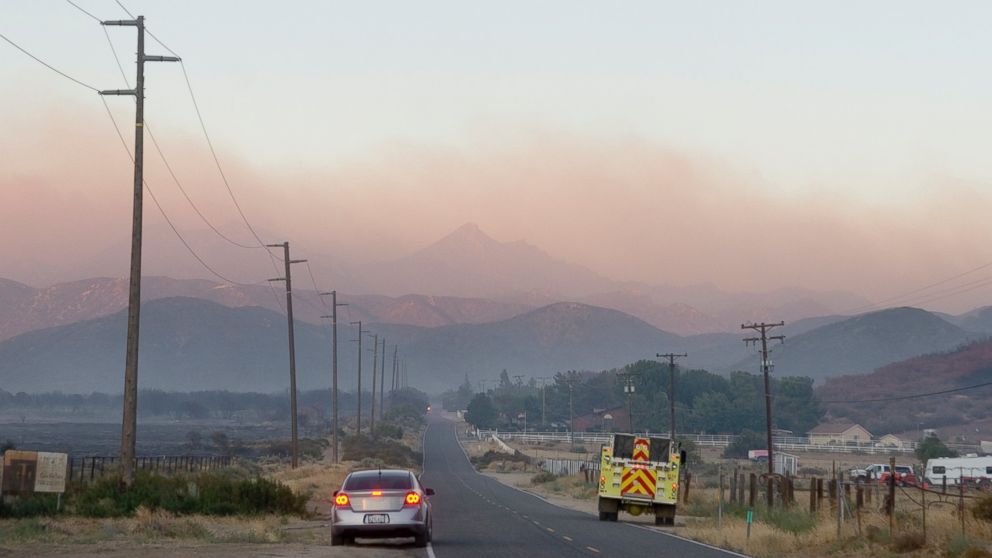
(794, 443)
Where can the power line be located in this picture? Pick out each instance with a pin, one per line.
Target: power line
(914, 396)
(162, 210)
(904, 295)
(165, 161)
(149, 33)
(213, 153)
(77, 6)
(47, 65)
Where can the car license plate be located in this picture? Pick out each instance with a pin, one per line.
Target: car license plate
(376, 518)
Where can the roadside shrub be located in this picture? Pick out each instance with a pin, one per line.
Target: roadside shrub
(209, 494)
(543, 477)
(487, 458)
(963, 547)
(791, 521)
(389, 452)
(309, 448)
(34, 505)
(908, 542)
(983, 509)
(389, 430)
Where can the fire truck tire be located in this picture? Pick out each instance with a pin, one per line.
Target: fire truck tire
(664, 514)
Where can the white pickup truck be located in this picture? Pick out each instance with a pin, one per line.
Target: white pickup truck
(880, 472)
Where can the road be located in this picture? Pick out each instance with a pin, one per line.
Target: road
(477, 517)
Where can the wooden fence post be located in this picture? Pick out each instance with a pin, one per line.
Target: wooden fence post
(812, 495)
(753, 481)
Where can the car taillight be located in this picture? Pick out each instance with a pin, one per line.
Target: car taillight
(412, 499)
(342, 500)
(377, 493)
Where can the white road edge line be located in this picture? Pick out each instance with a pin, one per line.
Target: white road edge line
(711, 547)
(430, 551)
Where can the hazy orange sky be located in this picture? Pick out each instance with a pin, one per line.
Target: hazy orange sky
(823, 152)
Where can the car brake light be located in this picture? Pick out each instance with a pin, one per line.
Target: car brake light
(342, 500)
(412, 499)
(377, 493)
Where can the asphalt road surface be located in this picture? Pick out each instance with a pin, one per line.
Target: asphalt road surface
(476, 517)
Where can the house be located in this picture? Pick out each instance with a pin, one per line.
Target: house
(614, 419)
(832, 433)
(890, 441)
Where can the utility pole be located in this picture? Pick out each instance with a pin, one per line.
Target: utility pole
(628, 388)
(129, 424)
(334, 367)
(543, 380)
(361, 333)
(382, 380)
(375, 364)
(288, 279)
(671, 385)
(396, 361)
(571, 417)
(766, 365)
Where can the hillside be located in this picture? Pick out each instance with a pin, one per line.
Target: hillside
(862, 343)
(967, 366)
(190, 344)
(24, 308)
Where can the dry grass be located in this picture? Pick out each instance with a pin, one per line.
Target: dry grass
(147, 526)
(769, 540)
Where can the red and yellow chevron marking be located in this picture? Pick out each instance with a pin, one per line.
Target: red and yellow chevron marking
(642, 449)
(638, 481)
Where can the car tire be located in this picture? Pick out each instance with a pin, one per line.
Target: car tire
(420, 540)
(340, 540)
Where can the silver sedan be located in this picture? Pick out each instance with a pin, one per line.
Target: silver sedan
(381, 503)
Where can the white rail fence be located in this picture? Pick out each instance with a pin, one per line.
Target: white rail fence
(791, 443)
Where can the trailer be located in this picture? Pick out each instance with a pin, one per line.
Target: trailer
(951, 471)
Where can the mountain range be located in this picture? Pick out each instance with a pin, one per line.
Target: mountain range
(465, 277)
(192, 344)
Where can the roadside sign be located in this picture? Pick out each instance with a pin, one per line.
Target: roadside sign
(24, 472)
(51, 472)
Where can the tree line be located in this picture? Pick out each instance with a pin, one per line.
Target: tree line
(705, 403)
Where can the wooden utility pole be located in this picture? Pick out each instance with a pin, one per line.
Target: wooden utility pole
(671, 385)
(543, 380)
(129, 423)
(628, 389)
(766, 365)
(334, 369)
(382, 381)
(396, 368)
(375, 364)
(361, 333)
(288, 279)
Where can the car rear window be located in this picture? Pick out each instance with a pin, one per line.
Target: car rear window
(379, 481)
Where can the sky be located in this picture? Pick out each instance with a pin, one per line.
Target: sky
(751, 145)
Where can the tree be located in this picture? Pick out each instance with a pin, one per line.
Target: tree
(931, 447)
(481, 412)
(748, 440)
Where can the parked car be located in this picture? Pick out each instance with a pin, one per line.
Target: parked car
(381, 503)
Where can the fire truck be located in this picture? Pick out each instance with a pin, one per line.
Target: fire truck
(640, 474)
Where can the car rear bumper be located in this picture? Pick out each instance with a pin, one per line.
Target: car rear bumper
(408, 522)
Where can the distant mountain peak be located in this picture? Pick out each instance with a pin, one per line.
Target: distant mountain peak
(467, 236)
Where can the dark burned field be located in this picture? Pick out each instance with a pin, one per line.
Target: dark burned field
(103, 439)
